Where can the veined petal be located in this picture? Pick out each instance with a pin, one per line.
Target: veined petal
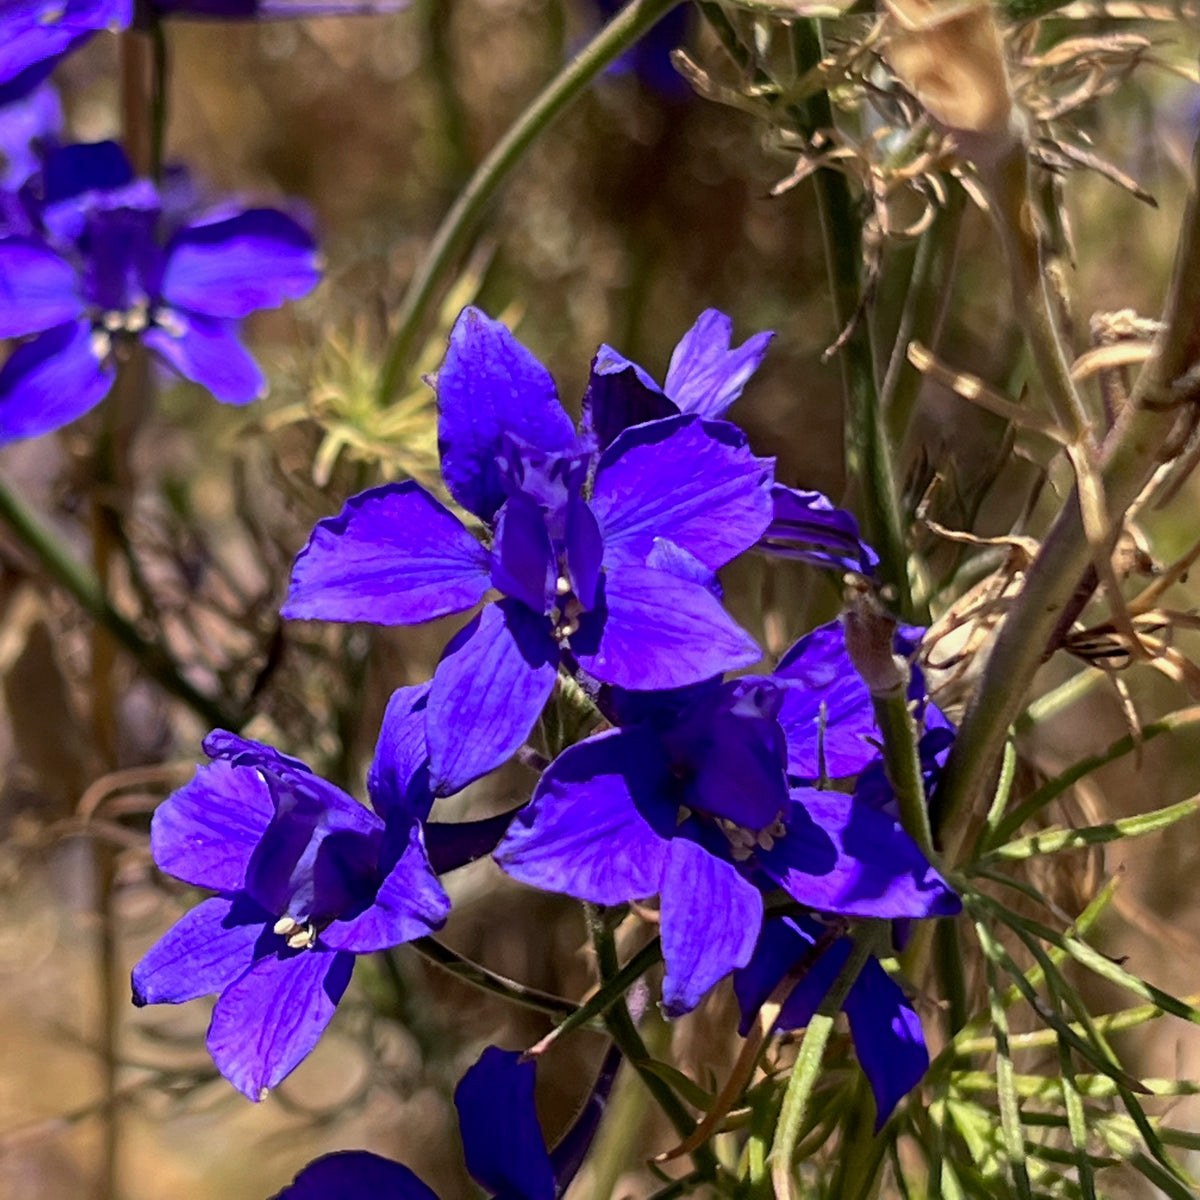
(888, 1038)
(620, 394)
(502, 1141)
(206, 832)
(393, 556)
(229, 268)
(693, 482)
(398, 778)
(490, 384)
(705, 376)
(209, 353)
(652, 631)
(490, 687)
(410, 903)
(266, 1023)
(806, 526)
(38, 289)
(599, 822)
(875, 869)
(51, 381)
(710, 917)
(353, 1175)
(202, 953)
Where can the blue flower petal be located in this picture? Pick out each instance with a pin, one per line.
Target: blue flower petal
(706, 376)
(234, 265)
(454, 844)
(502, 1141)
(490, 384)
(398, 778)
(51, 381)
(392, 556)
(711, 918)
(523, 559)
(620, 394)
(38, 289)
(693, 482)
(211, 354)
(206, 832)
(806, 526)
(31, 33)
(410, 903)
(651, 631)
(584, 550)
(265, 1024)
(598, 824)
(26, 121)
(354, 1175)
(202, 953)
(489, 689)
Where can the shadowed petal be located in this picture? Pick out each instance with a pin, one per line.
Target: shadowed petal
(398, 778)
(711, 918)
(598, 824)
(490, 687)
(392, 556)
(353, 1175)
(693, 482)
(523, 559)
(206, 832)
(410, 903)
(888, 1038)
(454, 844)
(782, 946)
(651, 631)
(806, 526)
(51, 381)
(202, 953)
(38, 289)
(211, 354)
(620, 394)
(502, 1141)
(875, 870)
(705, 376)
(231, 267)
(265, 1023)
(490, 384)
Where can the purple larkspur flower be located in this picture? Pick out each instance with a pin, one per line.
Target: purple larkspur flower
(693, 804)
(306, 879)
(98, 268)
(805, 525)
(603, 557)
(885, 1026)
(502, 1142)
(650, 59)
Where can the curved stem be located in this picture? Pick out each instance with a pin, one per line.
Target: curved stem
(456, 228)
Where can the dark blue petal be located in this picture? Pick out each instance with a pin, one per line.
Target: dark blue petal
(585, 550)
(523, 559)
(598, 824)
(51, 381)
(33, 32)
(502, 1141)
(711, 918)
(232, 266)
(652, 631)
(567, 1157)
(206, 832)
(454, 844)
(490, 384)
(265, 1024)
(38, 289)
(202, 953)
(620, 394)
(392, 556)
(887, 1037)
(410, 903)
(705, 376)
(398, 778)
(693, 482)
(489, 689)
(208, 353)
(71, 171)
(806, 526)
(355, 1175)
(875, 869)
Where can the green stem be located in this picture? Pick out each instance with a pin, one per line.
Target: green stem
(902, 762)
(83, 585)
(456, 228)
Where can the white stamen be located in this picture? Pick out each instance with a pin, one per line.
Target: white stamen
(286, 926)
(562, 585)
(302, 938)
(101, 344)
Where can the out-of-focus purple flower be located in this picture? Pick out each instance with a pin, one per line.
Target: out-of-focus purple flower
(885, 1027)
(603, 557)
(98, 267)
(806, 526)
(650, 59)
(28, 122)
(705, 376)
(693, 804)
(306, 878)
(503, 1144)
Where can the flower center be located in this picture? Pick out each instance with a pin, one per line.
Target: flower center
(743, 842)
(299, 937)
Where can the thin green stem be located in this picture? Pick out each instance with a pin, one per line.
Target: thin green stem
(902, 762)
(456, 228)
